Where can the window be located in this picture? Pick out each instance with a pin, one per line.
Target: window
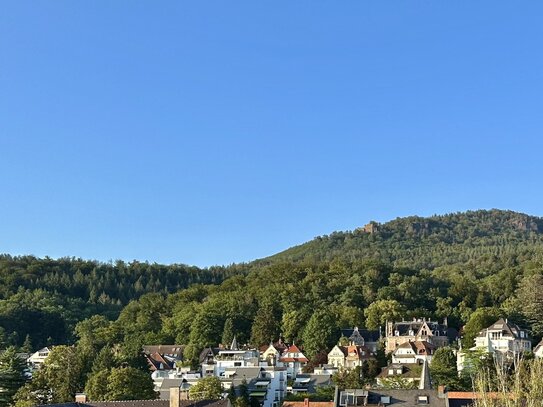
(237, 363)
(422, 400)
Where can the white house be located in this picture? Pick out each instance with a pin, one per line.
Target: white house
(37, 358)
(268, 384)
(215, 362)
(294, 360)
(503, 339)
(413, 352)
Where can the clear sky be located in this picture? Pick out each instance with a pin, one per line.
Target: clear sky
(212, 132)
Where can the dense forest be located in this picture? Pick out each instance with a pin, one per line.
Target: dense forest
(44, 298)
(469, 267)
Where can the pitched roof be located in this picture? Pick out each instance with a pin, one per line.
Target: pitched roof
(409, 370)
(366, 334)
(170, 350)
(207, 351)
(404, 327)
(506, 327)
(418, 347)
(293, 349)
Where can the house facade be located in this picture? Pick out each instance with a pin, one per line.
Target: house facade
(38, 358)
(349, 357)
(413, 352)
(419, 329)
(293, 360)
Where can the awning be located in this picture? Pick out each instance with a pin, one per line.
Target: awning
(257, 394)
(262, 383)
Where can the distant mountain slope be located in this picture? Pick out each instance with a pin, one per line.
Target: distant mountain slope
(493, 237)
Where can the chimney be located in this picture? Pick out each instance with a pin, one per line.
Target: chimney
(441, 391)
(306, 402)
(174, 396)
(80, 398)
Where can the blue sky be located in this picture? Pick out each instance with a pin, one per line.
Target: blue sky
(212, 132)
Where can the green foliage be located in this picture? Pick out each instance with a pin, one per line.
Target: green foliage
(449, 265)
(128, 383)
(349, 378)
(208, 388)
(529, 301)
(13, 371)
(266, 323)
(96, 386)
(320, 333)
(479, 319)
(443, 368)
(57, 381)
(45, 298)
(381, 311)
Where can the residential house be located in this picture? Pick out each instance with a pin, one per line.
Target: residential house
(268, 385)
(414, 374)
(270, 354)
(419, 329)
(413, 352)
(348, 357)
(363, 337)
(215, 361)
(503, 339)
(37, 358)
(163, 357)
(294, 360)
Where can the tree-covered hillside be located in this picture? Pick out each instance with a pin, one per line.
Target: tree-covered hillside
(45, 298)
(471, 268)
(442, 266)
(484, 240)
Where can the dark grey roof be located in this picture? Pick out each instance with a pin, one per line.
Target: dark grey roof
(315, 380)
(208, 352)
(368, 335)
(403, 327)
(506, 327)
(406, 398)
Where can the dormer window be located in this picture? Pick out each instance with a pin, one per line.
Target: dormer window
(422, 399)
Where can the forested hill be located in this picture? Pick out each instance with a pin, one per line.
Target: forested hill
(442, 266)
(488, 239)
(45, 298)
